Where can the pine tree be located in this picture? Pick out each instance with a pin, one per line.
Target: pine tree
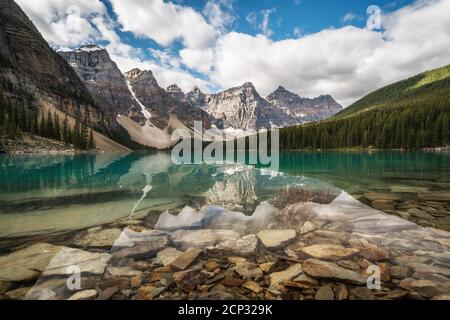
(84, 136)
(35, 123)
(50, 129)
(23, 119)
(66, 130)
(76, 135)
(91, 144)
(57, 133)
(42, 126)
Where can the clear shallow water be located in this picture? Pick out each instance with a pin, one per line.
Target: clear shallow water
(374, 204)
(42, 194)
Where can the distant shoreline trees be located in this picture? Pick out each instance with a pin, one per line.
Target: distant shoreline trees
(426, 126)
(16, 118)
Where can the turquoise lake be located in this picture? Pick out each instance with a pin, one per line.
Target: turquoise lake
(42, 194)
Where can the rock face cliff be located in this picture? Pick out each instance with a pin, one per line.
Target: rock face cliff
(36, 76)
(163, 105)
(304, 109)
(103, 78)
(134, 100)
(241, 108)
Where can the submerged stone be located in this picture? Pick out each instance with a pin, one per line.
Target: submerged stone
(328, 270)
(275, 239)
(245, 246)
(186, 258)
(329, 251)
(84, 295)
(277, 278)
(97, 238)
(28, 263)
(201, 239)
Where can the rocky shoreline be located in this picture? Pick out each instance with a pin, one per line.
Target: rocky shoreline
(303, 251)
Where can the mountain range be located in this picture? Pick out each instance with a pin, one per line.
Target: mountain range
(150, 114)
(126, 111)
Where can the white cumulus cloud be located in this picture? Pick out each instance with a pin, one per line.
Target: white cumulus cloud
(164, 22)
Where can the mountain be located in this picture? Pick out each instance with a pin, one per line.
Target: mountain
(134, 101)
(35, 81)
(427, 87)
(409, 114)
(170, 111)
(176, 93)
(304, 109)
(241, 108)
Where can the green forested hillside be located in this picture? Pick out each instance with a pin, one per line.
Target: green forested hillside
(413, 113)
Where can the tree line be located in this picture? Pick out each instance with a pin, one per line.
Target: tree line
(16, 119)
(427, 125)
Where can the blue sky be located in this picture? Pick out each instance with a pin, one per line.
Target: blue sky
(310, 47)
(287, 17)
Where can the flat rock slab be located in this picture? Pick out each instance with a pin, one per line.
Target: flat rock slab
(185, 259)
(87, 262)
(328, 270)
(277, 278)
(328, 251)
(201, 239)
(129, 237)
(123, 272)
(28, 263)
(245, 269)
(245, 246)
(84, 295)
(97, 238)
(147, 249)
(167, 256)
(275, 239)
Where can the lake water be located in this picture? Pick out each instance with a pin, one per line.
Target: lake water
(49, 193)
(389, 206)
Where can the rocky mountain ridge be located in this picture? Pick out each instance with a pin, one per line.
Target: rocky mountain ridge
(304, 109)
(34, 76)
(243, 108)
